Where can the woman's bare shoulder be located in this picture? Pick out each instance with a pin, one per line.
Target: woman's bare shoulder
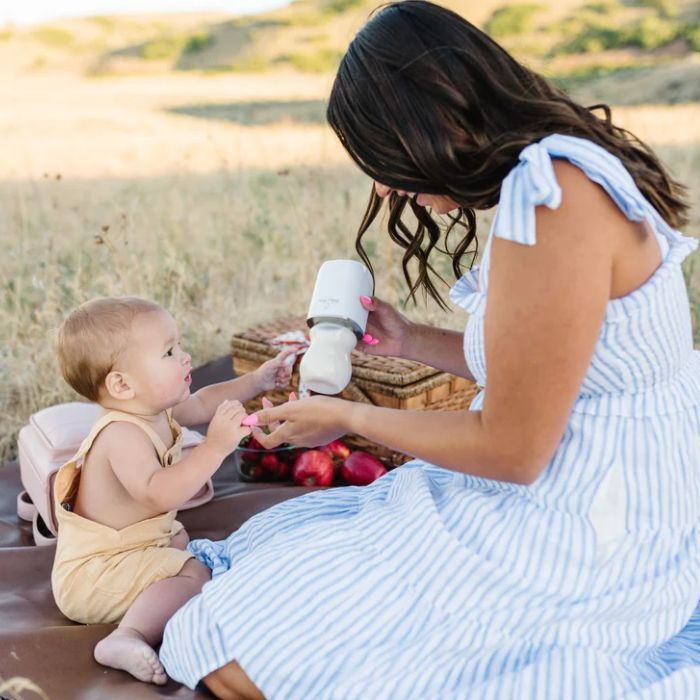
(581, 195)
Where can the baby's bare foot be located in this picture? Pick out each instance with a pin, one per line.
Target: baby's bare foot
(127, 650)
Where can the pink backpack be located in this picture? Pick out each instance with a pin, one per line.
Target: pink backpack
(51, 438)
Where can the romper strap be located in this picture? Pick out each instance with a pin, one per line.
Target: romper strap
(120, 416)
(174, 425)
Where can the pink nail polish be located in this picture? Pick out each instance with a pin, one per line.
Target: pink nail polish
(367, 338)
(366, 300)
(250, 421)
(374, 341)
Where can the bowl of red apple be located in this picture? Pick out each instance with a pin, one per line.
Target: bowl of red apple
(332, 464)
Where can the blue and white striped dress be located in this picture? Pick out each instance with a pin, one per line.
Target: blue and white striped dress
(433, 584)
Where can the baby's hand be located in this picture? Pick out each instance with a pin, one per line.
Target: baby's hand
(225, 429)
(277, 372)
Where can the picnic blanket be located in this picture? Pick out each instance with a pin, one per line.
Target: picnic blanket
(38, 643)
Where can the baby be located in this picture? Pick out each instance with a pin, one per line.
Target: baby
(121, 554)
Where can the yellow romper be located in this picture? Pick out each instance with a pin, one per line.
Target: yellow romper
(99, 571)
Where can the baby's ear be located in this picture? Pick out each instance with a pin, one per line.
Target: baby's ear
(118, 386)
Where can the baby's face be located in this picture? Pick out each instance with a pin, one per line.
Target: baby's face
(159, 369)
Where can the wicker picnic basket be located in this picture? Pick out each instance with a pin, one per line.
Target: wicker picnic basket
(383, 381)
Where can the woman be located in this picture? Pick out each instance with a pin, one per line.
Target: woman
(554, 553)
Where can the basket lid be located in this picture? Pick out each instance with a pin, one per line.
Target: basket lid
(394, 371)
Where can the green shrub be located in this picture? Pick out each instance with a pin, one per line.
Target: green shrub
(512, 19)
(319, 38)
(593, 34)
(592, 38)
(577, 77)
(307, 19)
(651, 32)
(691, 33)
(198, 42)
(601, 8)
(527, 49)
(664, 8)
(106, 23)
(250, 64)
(322, 61)
(54, 37)
(336, 7)
(163, 48)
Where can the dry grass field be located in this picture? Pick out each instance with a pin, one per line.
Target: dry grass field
(217, 196)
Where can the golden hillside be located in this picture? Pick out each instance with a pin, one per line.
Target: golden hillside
(570, 39)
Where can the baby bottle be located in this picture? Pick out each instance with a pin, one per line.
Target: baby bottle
(337, 320)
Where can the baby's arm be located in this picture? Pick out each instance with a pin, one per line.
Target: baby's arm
(200, 407)
(134, 463)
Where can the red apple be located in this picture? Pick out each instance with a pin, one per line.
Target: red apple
(251, 450)
(283, 469)
(338, 452)
(313, 468)
(249, 456)
(336, 449)
(362, 468)
(270, 463)
(253, 444)
(256, 472)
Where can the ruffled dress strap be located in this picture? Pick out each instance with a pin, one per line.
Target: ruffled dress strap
(467, 294)
(529, 184)
(532, 182)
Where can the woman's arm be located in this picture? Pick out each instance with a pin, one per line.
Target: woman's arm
(543, 317)
(439, 348)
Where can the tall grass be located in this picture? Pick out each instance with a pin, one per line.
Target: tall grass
(221, 252)
(223, 224)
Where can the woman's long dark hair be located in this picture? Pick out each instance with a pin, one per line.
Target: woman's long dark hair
(425, 102)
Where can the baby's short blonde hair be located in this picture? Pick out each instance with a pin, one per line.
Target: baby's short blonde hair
(92, 337)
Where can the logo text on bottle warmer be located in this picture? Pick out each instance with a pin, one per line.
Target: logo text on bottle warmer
(329, 301)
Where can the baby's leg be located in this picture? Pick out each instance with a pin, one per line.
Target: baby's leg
(130, 646)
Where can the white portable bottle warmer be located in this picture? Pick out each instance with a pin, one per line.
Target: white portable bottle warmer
(337, 321)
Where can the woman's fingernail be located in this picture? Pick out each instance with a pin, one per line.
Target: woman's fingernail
(367, 338)
(250, 421)
(374, 341)
(366, 300)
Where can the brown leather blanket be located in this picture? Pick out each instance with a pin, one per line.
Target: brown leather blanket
(38, 643)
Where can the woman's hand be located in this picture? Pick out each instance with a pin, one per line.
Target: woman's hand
(391, 329)
(306, 423)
